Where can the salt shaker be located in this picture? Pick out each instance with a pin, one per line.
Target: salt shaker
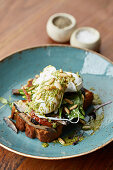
(86, 37)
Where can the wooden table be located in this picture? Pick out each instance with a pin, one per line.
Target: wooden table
(23, 25)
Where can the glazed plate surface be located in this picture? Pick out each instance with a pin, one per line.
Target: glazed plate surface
(97, 72)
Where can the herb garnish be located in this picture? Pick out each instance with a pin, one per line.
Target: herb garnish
(5, 102)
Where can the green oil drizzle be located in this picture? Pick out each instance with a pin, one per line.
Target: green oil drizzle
(45, 145)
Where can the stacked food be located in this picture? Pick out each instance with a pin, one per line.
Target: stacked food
(53, 99)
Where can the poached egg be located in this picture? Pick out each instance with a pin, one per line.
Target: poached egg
(50, 87)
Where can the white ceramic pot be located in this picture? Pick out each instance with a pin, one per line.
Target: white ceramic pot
(60, 34)
(90, 41)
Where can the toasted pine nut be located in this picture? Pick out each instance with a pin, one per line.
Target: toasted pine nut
(49, 87)
(68, 101)
(59, 85)
(61, 141)
(63, 75)
(51, 81)
(83, 97)
(38, 97)
(73, 107)
(82, 121)
(52, 87)
(66, 110)
(61, 71)
(37, 76)
(70, 75)
(86, 127)
(46, 87)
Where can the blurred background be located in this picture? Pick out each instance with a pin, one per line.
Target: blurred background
(23, 23)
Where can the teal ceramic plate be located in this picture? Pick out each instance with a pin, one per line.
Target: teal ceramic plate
(96, 71)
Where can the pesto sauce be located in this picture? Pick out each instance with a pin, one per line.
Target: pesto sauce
(96, 99)
(68, 141)
(92, 88)
(71, 141)
(95, 124)
(45, 145)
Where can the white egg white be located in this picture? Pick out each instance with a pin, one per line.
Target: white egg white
(45, 76)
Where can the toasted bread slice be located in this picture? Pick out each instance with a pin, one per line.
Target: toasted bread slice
(88, 98)
(45, 135)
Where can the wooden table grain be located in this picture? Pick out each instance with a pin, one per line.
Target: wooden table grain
(23, 25)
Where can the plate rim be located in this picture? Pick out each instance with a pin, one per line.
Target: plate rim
(52, 45)
(55, 158)
(62, 157)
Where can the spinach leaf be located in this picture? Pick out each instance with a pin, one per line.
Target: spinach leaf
(76, 98)
(74, 114)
